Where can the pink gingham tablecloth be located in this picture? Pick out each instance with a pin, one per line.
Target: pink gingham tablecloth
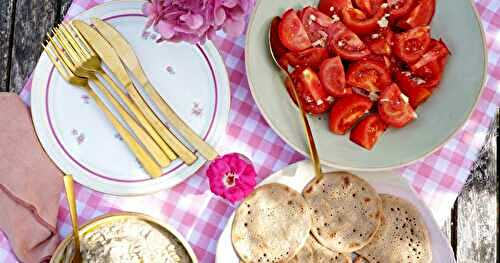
(200, 216)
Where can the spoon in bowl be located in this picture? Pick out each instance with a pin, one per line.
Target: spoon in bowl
(313, 152)
(70, 195)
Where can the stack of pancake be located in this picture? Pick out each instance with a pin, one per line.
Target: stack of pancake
(339, 218)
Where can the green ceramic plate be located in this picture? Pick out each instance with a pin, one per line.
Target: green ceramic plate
(456, 21)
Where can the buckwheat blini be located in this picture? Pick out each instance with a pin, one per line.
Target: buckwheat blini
(271, 225)
(402, 237)
(346, 211)
(314, 252)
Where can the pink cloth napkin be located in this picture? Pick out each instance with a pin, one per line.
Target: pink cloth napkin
(30, 185)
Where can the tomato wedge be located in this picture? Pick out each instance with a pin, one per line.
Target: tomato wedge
(292, 33)
(348, 45)
(276, 45)
(346, 112)
(311, 57)
(432, 73)
(437, 50)
(316, 25)
(411, 45)
(399, 8)
(359, 23)
(368, 74)
(413, 87)
(312, 94)
(332, 77)
(380, 43)
(369, 7)
(421, 15)
(394, 109)
(331, 7)
(367, 131)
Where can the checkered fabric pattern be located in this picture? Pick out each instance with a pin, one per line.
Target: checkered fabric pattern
(200, 216)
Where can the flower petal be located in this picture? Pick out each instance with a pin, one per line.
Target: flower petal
(234, 27)
(165, 29)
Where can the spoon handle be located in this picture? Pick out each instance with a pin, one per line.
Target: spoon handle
(312, 145)
(70, 195)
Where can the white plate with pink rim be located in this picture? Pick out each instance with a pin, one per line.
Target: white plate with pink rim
(298, 175)
(82, 142)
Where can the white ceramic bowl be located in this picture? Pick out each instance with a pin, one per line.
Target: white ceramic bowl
(455, 21)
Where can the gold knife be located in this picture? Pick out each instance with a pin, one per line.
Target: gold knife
(112, 60)
(129, 58)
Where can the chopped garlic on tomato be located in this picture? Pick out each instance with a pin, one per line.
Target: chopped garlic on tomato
(383, 22)
(404, 98)
(335, 18)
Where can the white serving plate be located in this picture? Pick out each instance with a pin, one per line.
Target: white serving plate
(439, 119)
(82, 142)
(298, 175)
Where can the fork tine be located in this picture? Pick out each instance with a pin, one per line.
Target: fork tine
(61, 67)
(60, 55)
(76, 46)
(67, 48)
(82, 40)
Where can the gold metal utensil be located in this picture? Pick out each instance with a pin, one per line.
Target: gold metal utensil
(111, 59)
(65, 66)
(313, 152)
(129, 58)
(86, 64)
(70, 195)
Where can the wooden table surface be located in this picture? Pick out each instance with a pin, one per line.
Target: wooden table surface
(473, 223)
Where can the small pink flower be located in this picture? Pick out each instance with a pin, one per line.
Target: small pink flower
(232, 177)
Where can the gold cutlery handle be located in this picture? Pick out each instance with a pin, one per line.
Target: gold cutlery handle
(184, 153)
(150, 145)
(196, 141)
(151, 167)
(307, 128)
(70, 196)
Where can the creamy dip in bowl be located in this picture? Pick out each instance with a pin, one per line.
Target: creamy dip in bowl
(127, 238)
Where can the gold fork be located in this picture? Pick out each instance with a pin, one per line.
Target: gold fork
(85, 64)
(63, 60)
(91, 63)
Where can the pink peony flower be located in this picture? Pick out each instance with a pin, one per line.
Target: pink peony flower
(196, 20)
(232, 177)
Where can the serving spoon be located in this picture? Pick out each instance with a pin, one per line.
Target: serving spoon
(313, 152)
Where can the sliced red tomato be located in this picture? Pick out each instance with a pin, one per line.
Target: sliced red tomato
(359, 23)
(411, 45)
(346, 111)
(369, 7)
(292, 33)
(421, 15)
(368, 74)
(348, 45)
(393, 107)
(311, 57)
(380, 43)
(331, 7)
(316, 24)
(413, 87)
(332, 77)
(399, 8)
(367, 131)
(276, 45)
(312, 94)
(432, 73)
(437, 50)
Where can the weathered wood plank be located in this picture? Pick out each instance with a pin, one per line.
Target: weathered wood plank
(477, 208)
(63, 8)
(33, 19)
(6, 21)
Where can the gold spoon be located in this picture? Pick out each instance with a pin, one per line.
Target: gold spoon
(70, 195)
(313, 152)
